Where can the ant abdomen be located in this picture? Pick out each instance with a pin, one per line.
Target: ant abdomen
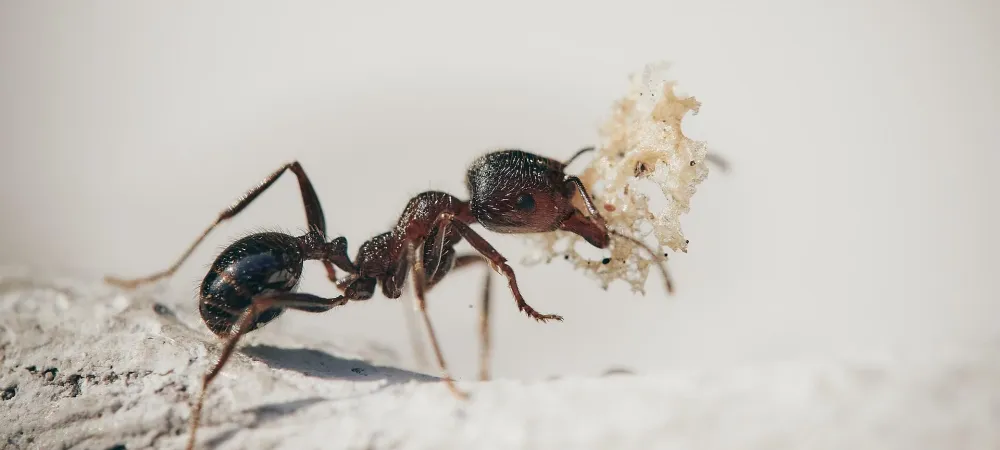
(255, 264)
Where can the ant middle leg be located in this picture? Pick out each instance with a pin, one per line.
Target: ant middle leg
(417, 271)
(314, 218)
(497, 262)
(484, 313)
(485, 350)
(261, 303)
(461, 261)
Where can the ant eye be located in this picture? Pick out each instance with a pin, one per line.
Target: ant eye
(525, 202)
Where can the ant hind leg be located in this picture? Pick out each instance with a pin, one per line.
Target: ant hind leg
(314, 217)
(261, 303)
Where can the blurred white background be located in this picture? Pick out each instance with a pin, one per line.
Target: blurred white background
(862, 135)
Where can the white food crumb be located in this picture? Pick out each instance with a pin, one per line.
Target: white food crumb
(640, 144)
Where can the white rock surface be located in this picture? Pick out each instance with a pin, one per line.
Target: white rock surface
(87, 367)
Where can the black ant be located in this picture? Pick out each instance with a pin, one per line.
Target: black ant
(255, 279)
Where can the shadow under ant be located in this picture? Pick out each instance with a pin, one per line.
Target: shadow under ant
(263, 414)
(313, 363)
(320, 364)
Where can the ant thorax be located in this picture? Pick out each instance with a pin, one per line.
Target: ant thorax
(641, 146)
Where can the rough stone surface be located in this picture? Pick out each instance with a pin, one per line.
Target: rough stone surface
(87, 367)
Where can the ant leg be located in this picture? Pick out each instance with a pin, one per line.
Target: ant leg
(484, 317)
(485, 350)
(499, 264)
(314, 217)
(261, 303)
(415, 339)
(346, 281)
(662, 263)
(419, 287)
(577, 154)
(484, 314)
(438, 250)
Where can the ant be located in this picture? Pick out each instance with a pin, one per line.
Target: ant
(255, 279)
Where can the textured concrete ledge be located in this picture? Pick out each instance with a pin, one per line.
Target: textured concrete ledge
(87, 367)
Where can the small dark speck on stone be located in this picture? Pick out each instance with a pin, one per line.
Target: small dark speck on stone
(692, 163)
(161, 310)
(118, 447)
(50, 374)
(565, 256)
(605, 260)
(9, 393)
(32, 369)
(687, 241)
(665, 254)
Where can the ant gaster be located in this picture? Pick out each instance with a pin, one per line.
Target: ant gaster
(255, 279)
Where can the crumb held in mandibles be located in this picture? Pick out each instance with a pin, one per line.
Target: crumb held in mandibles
(641, 144)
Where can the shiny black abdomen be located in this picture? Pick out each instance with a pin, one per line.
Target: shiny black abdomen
(259, 263)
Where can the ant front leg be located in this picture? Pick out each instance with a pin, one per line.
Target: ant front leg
(497, 262)
(261, 303)
(314, 217)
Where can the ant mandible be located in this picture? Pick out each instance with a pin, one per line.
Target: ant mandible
(255, 279)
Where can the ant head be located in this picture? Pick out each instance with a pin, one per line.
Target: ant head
(517, 192)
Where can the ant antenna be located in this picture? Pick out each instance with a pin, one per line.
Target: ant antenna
(578, 153)
(654, 255)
